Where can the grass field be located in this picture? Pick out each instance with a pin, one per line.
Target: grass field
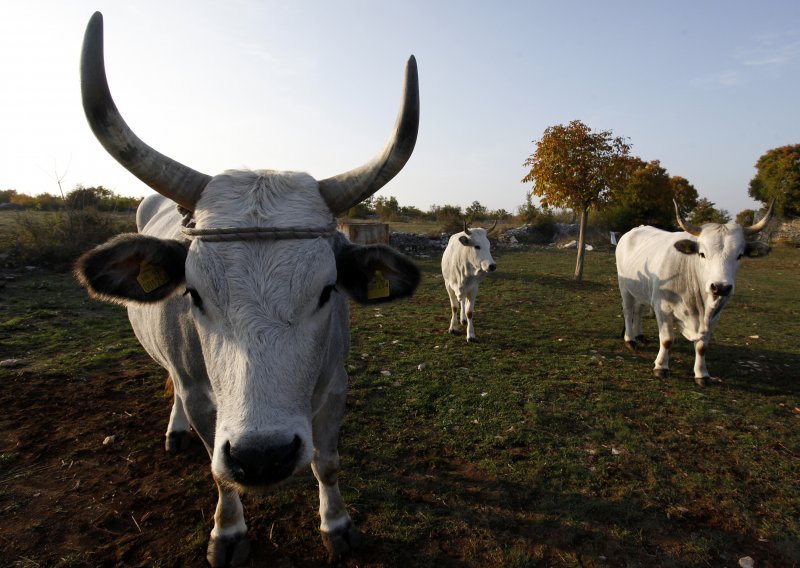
(545, 444)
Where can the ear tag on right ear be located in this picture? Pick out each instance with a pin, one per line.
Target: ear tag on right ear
(151, 277)
(377, 287)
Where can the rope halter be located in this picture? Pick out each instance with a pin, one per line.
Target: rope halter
(258, 233)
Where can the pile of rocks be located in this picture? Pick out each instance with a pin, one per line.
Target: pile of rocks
(421, 246)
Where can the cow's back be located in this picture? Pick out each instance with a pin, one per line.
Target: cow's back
(648, 265)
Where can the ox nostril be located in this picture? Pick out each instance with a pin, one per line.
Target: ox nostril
(721, 289)
(257, 462)
(492, 267)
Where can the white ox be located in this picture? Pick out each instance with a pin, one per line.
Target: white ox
(465, 263)
(242, 297)
(686, 277)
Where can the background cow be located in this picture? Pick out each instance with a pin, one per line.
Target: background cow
(685, 277)
(465, 263)
(241, 296)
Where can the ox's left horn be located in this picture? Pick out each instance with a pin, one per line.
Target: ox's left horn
(753, 229)
(171, 179)
(492, 228)
(689, 228)
(345, 190)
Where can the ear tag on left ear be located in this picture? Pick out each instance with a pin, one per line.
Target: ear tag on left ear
(377, 287)
(151, 277)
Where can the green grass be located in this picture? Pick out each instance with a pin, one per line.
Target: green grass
(546, 443)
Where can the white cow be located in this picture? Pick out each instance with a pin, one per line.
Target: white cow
(242, 297)
(465, 263)
(686, 277)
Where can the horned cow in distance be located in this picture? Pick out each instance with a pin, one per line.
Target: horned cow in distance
(686, 277)
(465, 263)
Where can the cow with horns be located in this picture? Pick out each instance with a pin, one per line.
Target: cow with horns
(465, 263)
(241, 295)
(686, 277)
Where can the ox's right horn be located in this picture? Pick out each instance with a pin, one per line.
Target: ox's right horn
(753, 229)
(345, 190)
(171, 179)
(689, 228)
(466, 230)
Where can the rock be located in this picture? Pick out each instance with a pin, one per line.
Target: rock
(422, 366)
(109, 440)
(11, 363)
(746, 562)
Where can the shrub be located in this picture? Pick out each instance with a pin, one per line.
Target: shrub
(55, 240)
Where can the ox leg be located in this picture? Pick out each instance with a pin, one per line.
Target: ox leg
(178, 435)
(632, 314)
(454, 307)
(469, 306)
(665, 338)
(339, 534)
(228, 545)
(701, 376)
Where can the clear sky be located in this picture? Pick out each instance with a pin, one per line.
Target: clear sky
(706, 87)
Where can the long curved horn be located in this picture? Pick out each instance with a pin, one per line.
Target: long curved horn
(691, 229)
(753, 229)
(466, 230)
(345, 190)
(171, 179)
(492, 227)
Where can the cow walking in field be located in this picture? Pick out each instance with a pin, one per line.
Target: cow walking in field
(241, 295)
(465, 263)
(686, 277)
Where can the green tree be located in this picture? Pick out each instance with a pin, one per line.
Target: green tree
(574, 167)
(387, 208)
(6, 195)
(82, 197)
(684, 193)
(475, 211)
(705, 212)
(778, 177)
(644, 198)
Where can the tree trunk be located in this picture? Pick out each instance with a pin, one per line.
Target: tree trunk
(581, 244)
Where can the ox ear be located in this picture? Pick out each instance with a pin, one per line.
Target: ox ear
(375, 273)
(132, 268)
(464, 240)
(754, 249)
(687, 246)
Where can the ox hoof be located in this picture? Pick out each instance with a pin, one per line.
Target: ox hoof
(454, 331)
(472, 340)
(178, 441)
(661, 373)
(631, 346)
(707, 381)
(341, 541)
(225, 552)
(640, 339)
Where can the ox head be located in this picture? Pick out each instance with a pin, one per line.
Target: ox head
(720, 249)
(264, 277)
(477, 251)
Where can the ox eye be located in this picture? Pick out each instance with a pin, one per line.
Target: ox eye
(477, 247)
(196, 299)
(326, 295)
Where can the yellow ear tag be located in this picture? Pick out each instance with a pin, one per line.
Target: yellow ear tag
(378, 287)
(151, 277)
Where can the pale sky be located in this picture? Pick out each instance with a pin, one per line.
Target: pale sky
(706, 87)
